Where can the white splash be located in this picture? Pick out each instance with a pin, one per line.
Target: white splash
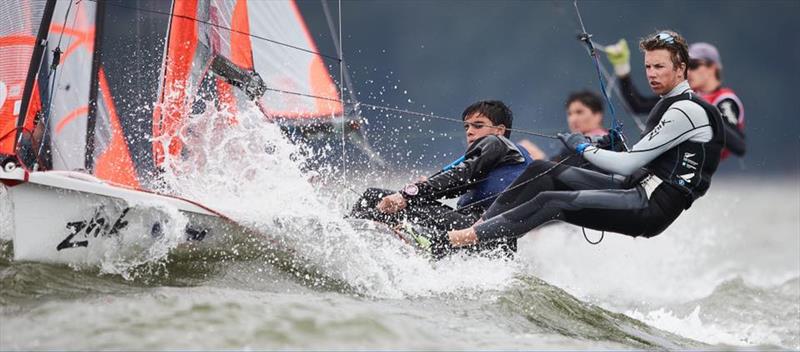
(250, 172)
(691, 326)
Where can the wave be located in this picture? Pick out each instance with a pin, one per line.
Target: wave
(736, 314)
(547, 308)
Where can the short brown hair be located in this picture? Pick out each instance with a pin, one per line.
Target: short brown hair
(495, 110)
(672, 42)
(588, 98)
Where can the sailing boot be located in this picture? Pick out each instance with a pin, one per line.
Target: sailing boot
(425, 239)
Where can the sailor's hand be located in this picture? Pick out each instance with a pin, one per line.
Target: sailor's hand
(620, 56)
(535, 152)
(601, 141)
(574, 141)
(392, 203)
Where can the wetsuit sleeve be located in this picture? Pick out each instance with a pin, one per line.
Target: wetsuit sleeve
(684, 120)
(640, 104)
(734, 131)
(481, 157)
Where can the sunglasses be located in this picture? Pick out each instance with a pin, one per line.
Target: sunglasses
(476, 126)
(665, 38)
(696, 63)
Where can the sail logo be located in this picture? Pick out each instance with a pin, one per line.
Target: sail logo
(100, 225)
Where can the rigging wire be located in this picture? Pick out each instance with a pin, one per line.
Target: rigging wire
(587, 39)
(347, 80)
(404, 111)
(341, 95)
(616, 126)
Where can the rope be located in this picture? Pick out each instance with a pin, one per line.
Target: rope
(341, 94)
(587, 39)
(616, 126)
(402, 111)
(602, 235)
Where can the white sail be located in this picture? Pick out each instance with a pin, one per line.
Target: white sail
(72, 32)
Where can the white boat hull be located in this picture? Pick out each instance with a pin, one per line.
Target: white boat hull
(74, 218)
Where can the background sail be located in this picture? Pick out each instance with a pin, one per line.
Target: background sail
(19, 23)
(286, 68)
(202, 29)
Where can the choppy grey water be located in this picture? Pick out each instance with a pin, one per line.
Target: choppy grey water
(725, 275)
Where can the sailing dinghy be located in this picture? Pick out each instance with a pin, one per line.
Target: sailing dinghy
(94, 94)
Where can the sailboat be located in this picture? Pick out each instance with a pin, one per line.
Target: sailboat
(94, 94)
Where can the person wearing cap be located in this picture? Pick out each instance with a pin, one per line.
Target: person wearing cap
(705, 78)
(642, 191)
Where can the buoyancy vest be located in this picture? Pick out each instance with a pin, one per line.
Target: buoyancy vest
(485, 192)
(689, 165)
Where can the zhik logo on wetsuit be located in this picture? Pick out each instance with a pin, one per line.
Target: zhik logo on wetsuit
(658, 129)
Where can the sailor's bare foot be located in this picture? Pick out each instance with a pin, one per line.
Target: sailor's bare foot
(465, 237)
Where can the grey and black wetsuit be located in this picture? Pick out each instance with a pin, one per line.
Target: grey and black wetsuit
(489, 165)
(649, 187)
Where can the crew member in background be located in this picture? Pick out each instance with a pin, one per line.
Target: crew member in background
(705, 78)
(584, 115)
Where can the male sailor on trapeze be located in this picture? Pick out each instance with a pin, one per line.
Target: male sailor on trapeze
(645, 189)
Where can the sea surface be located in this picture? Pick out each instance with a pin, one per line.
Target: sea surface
(725, 275)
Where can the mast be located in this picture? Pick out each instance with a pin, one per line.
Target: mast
(94, 84)
(33, 68)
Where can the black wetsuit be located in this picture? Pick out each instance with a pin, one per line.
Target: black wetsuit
(651, 185)
(490, 164)
(723, 99)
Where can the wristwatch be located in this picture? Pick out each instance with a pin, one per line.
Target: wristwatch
(409, 191)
